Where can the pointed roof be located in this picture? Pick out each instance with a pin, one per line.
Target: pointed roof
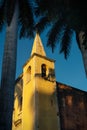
(38, 46)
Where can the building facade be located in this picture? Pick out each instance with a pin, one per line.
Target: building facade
(72, 104)
(41, 103)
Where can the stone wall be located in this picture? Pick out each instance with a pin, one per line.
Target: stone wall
(72, 107)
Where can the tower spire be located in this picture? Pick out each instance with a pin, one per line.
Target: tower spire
(38, 46)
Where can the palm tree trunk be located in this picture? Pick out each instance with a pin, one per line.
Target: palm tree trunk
(83, 50)
(8, 74)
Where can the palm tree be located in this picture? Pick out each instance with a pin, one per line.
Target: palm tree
(12, 14)
(65, 17)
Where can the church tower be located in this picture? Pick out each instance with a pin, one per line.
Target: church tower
(39, 108)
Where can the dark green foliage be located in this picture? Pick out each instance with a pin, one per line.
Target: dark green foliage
(9, 10)
(65, 42)
(1, 15)
(74, 16)
(42, 24)
(26, 20)
(55, 33)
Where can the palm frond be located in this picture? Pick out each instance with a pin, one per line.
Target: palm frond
(1, 2)
(42, 24)
(42, 7)
(26, 19)
(50, 8)
(26, 32)
(1, 16)
(9, 10)
(55, 33)
(66, 42)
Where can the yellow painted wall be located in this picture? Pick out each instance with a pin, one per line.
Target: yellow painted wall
(28, 109)
(28, 112)
(46, 105)
(39, 102)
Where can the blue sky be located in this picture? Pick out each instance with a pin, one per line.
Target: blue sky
(70, 72)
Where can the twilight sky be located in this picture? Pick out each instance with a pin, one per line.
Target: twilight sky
(70, 71)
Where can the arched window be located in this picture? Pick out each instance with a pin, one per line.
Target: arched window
(43, 70)
(28, 74)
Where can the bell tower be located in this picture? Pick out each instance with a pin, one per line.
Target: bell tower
(40, 109)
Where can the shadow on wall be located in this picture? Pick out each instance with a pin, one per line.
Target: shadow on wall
(45, 111)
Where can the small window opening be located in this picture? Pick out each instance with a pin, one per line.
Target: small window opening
(43, 70)
(51, 73)
(28, 74)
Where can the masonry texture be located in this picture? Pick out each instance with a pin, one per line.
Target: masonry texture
(72, 107)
